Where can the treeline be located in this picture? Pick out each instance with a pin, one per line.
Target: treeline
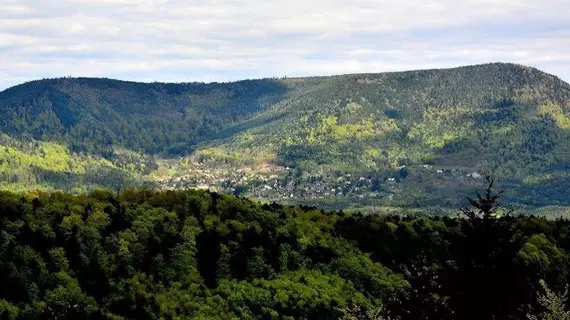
(144, 254)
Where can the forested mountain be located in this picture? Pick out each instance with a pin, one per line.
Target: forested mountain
(97, 115)
(410, 139)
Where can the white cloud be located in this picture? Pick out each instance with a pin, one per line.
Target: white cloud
(77, 28)
(187, 40)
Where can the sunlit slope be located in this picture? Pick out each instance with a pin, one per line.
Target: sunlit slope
(497, 116)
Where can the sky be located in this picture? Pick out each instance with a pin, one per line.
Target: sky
(226, 40)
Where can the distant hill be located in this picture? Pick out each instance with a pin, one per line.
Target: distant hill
(96, 115)
(404, 139)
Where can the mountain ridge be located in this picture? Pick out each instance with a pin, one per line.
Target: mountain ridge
(504, 118)
(511, 64)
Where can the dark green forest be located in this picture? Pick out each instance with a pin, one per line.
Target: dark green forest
(95, 115)
(144, 254)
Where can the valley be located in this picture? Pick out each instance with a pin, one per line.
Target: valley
(325, 189)
(366, 142)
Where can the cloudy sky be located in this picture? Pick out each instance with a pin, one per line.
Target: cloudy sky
(223, 40)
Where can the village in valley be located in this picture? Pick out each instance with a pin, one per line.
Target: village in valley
(285, 184)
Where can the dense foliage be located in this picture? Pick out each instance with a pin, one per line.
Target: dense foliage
(97, 115)
(144, 254)
(148, 255)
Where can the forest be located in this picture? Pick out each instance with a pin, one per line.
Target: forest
(148, 254)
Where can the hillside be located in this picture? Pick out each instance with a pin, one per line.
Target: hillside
(366, 140)
(95, 115)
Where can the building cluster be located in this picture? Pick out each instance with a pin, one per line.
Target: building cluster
(286, 183)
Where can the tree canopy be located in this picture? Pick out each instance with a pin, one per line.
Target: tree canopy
(145, 254)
